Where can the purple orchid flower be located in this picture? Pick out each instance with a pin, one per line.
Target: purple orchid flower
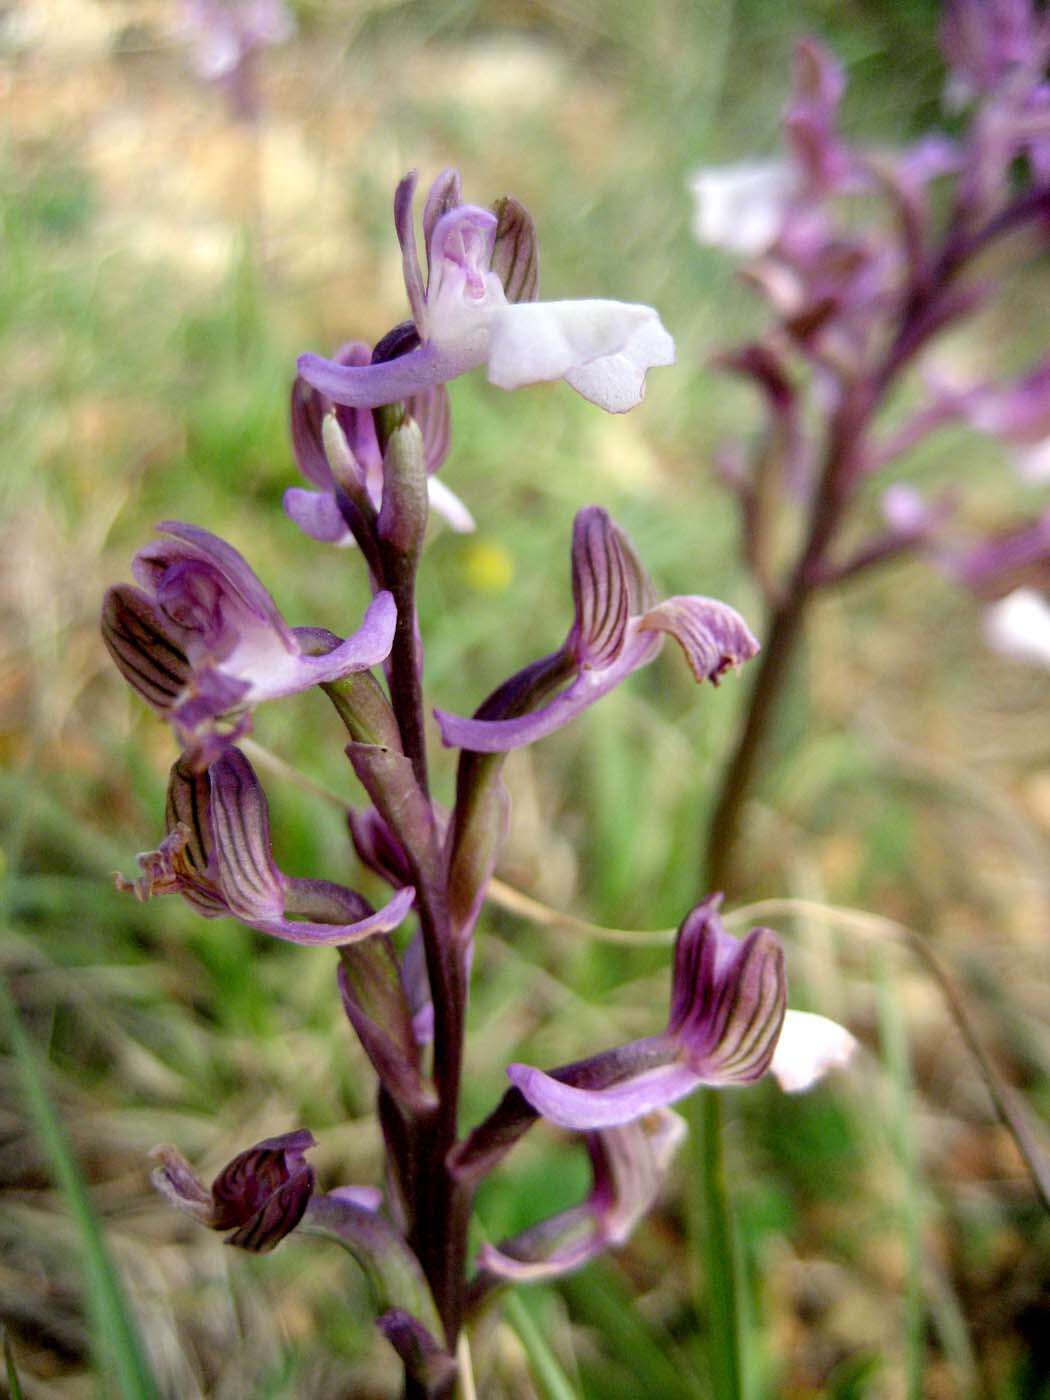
(728, 1025)
(217, 854)
(1014, 558)
(811, 120)
(261, 1196)
(356, 448)
(618, 628)
(227, 36)
(1017, 412)
(202, 637)
(983, 41)
(629, 1165)
(478, 308)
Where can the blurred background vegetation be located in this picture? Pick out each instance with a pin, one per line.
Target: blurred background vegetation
(162, 266)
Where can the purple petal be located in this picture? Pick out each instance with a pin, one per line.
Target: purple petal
(378, 847)
(515, 254)
(552, 1249)
(713, 636)
(248, 875)
(317, 515)
(234, 568)
(368, 646)
(140, 642)
(417, 989)
(444, 195)
(367, 1197)
(1009, 560)
(406, 236)
(580, 1109)
(315, 935)
(371, 386)
(306, 417)
(431, 411)
(728, 998)
(499, 736)
(630, 1164)
(180, 1185)
(263, 1193)
(599, 589)
(812, 116)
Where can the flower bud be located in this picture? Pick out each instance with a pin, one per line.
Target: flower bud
(261, 1196)
(403, 514)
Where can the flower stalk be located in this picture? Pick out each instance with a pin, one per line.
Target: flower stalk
(203, 642)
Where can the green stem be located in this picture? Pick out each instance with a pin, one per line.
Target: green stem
(719, 1251)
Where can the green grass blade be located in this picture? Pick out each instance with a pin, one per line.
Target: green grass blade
(546, 1369)
(117, 1343)
(604, 1302)
(712, 1219)
(14, 1385)
(894, 1036)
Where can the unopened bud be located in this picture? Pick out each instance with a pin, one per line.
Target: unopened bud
(403, 514)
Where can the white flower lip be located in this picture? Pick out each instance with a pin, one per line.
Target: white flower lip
(602, 348)
(809, 1046)
(1018, 626)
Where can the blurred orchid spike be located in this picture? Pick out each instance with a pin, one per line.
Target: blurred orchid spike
(1017, 411)
(227, 35)
(1015, 558)
(336, 447)
(618, 628)
(811, 120)
(217, 854)
(261, 1196)
(728, 1015)
(478, 308)
(984, 41)
(630, 1164)
(201, 638)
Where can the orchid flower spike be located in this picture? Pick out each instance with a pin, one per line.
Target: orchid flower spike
(629, 1164)
(479, 307)
(227, 37)
(261, 1196)
(618, 628)
(217, 854)
(728, 1025)
(201, 638)
(356, 446)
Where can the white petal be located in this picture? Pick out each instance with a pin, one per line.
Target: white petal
(1019, 626)
(809, 1046)
(741, 207)
(449, 507)
(1033, 461)
(603, 348)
